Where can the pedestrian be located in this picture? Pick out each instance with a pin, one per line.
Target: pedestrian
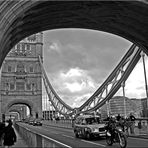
(2, 126)
(118, 117)
(9, 134)
(132, 120)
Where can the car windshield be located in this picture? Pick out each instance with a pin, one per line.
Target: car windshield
(93, 120)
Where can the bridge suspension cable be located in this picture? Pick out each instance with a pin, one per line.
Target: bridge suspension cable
(113, 82)
(58, 104)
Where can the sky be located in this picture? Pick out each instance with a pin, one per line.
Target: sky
(78, 61)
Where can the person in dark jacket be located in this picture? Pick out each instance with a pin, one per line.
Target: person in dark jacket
(9, 134)
(2, 126)
(132, 120)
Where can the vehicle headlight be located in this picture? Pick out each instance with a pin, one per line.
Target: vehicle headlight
(120, 129)
(88, 129)
(95, 129)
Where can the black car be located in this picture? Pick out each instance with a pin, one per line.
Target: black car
(37, 122)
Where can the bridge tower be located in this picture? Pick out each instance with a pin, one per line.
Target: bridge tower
(21, 76)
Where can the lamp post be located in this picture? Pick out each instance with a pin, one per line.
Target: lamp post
(108, 104)
(123, 87)
(144, 68)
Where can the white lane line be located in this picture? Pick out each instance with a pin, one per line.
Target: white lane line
(68, 136)
(94, 143)
(57, 141)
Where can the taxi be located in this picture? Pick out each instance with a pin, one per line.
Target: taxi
(89, 126)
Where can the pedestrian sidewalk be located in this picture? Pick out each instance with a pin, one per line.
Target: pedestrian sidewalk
(20, 142)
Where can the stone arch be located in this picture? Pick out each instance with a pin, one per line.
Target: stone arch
(17, 111)
(14, 110)
(21, 101)
(128, 19)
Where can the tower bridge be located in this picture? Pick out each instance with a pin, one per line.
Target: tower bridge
(22, 20)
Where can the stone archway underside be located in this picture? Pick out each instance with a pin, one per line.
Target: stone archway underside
(15, 110)
(23, 102)
(20, 19)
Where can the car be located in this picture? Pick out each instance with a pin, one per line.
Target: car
(26, 120)
(37, 122)
(31, 119)
(89, 126)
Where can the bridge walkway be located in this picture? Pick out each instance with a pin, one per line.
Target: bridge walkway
(20, 142)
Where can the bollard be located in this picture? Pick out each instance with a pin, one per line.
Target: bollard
(139, 125)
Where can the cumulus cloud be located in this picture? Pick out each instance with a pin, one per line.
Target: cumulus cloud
(73, 84)
(54, 46)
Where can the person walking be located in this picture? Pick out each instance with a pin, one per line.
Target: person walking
(118, 117)
(132, 120)
(9, 134)
(2, 126)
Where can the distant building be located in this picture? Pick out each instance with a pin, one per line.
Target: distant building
(144, 107)
(47, 115)
(116, 105)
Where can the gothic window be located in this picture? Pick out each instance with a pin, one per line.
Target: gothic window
(11, 86)
(23, 47)
(31, 69)
(7, 86)
(9, 68)
(20, 68)
(32, 38)
(20, 86)
(28, 86)
(27, 47)
(18, 47)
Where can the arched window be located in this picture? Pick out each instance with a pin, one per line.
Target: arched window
(20, 67)
(32, 38)
(28, 86)
(9, 68)
(31, 70)
(12, 86)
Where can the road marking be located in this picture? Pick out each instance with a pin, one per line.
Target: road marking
(56, 141)
(68, 136)
(94, 143)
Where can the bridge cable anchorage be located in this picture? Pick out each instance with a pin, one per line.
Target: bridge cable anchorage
(59, 105)
(112, 84)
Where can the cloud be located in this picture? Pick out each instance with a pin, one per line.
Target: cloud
(54, 46)
(73, 84)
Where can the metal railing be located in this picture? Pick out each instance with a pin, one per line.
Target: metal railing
(34, 139)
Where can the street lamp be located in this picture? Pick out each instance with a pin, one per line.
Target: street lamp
(144, 68)
(123, 86)
(107, 103)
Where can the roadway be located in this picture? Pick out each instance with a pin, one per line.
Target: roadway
(67, 138)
